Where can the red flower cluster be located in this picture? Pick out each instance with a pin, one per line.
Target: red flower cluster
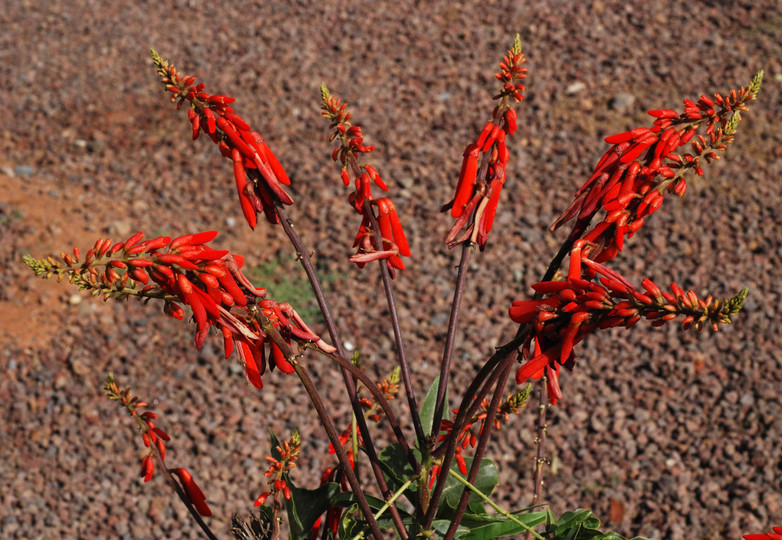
(574, 308)
(153, 435)
(185, 270)
(252, 158)
(288, 453)
(483, 167)
(630, 179)
(776, 535)
(351, 144)
(470, 433)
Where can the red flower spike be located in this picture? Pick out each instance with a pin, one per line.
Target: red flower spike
(226, 128)
(651, 163)
(579, 306)
(476, 200)
(350, 140)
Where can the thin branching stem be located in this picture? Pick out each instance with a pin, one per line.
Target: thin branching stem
(540, 440)
(181, 494)
(325, 420)
(477, 390)
(382, 402)
(445, 366)
(480, 449)
(394, 314)
(450, 447)
(350, 385)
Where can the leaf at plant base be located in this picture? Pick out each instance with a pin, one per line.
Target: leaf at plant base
(427, 407)
(488, 527)
(440, 526)
(485, 482)
(307, 505)
(581, 524)
(396, 467)
(351, 527)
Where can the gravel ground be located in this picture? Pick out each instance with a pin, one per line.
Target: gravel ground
(663, 433)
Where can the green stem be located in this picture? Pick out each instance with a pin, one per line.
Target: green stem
(393, 498)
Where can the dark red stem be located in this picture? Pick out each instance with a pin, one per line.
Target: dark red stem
(480, 449)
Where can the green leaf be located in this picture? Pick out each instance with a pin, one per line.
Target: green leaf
(575, 524)
(486, 527)
(486, 481)
(441, 526)
(307, 505)
(395, 465)
(427, 407)
(580, 524)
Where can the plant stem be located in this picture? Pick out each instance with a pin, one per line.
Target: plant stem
(540, 440)
(350, 475)
(450, 447)
(491, 503)
(350, 385)
(325, 420)
(445, 367)
(181, 494)
(400, 346)
(393, 498)
(480, 450)
(382, 402)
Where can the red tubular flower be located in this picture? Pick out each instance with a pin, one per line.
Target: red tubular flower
(194, 493)
(631, 178)
(485, 160)
(594, 297)
(252, 158)
(350, 139)
(776, 535)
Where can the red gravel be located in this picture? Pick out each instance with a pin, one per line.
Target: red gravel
(663, 433)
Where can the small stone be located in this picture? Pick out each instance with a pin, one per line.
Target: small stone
(24, 171)
(575, 88)
(119, 228)
(622, 102)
